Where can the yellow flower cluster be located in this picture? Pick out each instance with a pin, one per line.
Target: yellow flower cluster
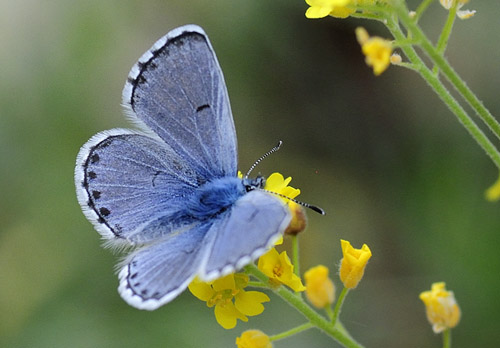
(441, 307)
(223, 291)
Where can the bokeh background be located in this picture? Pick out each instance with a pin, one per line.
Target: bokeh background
(387, 161)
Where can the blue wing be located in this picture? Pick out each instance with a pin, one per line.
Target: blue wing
(177, 90)
(158, 273)
(249, 229)
(127, 181)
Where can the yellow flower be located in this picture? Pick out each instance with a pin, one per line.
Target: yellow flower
(493, 193)
(279, 269)
(320, 290)
(335, 8)
(352, 265)
(441, 307)
(221, 293)
(278, 184)
(377, 50)
(253, 339)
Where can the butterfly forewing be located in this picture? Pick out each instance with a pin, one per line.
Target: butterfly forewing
(178, 91)
(251, 227)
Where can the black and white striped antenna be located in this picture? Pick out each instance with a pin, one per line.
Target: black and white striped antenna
(303, 204)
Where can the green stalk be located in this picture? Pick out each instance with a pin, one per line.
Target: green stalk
(291, 332)
(445, 34)
(257, 284)
(442, 92)
(447, 338)
(448, 71)
(336, 331)
(421, 9)
(295, 255)
(338, 305)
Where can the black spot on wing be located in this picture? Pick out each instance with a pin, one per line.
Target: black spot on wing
(202, 107)
(104, 211)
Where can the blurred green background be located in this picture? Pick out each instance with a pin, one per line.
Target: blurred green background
(387, 161)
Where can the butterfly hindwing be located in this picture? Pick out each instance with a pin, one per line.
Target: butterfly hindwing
(178, 91)
(158, 273)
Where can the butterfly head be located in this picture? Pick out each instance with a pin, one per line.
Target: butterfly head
(256, 183)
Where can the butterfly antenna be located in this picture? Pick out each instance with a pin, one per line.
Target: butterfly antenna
(305, 205)
(274, 149)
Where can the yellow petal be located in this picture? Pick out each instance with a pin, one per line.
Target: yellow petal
(268, 261)
(224, 283)
(250, 302)
(287, 277)
(275, 182)
(201, 290)
(317, 12)
(342, 12)
(227, 315)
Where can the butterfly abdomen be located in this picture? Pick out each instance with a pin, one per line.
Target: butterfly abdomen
(214, 197)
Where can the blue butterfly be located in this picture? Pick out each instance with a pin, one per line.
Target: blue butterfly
(171, 191)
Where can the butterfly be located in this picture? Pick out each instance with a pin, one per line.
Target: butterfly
(170, 191)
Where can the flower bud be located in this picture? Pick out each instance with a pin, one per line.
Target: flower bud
(320, 290)
(441, 307)
(299, 219)
(352, 266)
(253, 339)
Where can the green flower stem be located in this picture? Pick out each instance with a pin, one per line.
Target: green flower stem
(447, 338)
(295, 255)
(257, 284)
(364, 15)
(445, 34)
(442, 92)
(421, 9)
(291, 332)
(448, 71)
(336, 331)
(338, 305)
(329, 312)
